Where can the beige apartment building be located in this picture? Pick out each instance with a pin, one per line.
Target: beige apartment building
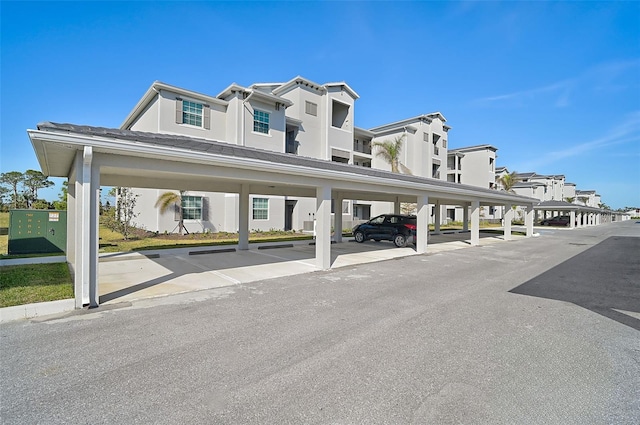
(298, 117)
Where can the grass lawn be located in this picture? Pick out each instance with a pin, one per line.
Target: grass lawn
(111, 241)
(33, 283)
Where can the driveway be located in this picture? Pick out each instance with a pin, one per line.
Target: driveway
(487, 335)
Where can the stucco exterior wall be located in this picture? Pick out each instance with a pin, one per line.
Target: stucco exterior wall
(167, 119)
(309, 133)
(476, 168)
(275, 140)
(148, 120)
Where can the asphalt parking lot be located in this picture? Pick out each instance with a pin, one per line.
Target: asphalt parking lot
(538, 331)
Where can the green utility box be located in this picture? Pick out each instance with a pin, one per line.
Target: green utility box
(37, 231)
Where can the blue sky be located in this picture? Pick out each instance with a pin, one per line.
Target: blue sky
(555, 86)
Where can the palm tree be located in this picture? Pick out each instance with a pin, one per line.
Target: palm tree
(390, 151)
(508, 181)
(570, 199)
(166, 200)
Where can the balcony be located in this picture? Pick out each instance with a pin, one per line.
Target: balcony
(362, 146)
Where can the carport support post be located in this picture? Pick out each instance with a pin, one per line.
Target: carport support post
(74, 240)
(475, 223)
(528, 220)
(323, 227)
(337, 220)
(422, 224)
(243, 218)
(436, 223)
(94, 216)
(508, 218)
(396, 205)
(465, 216)
(85, 178)
(572, 219)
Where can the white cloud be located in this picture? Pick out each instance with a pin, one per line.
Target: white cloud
(627, 131)
(599, 78)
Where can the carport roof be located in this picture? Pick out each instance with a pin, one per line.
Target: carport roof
(562, 205)
(59, 164)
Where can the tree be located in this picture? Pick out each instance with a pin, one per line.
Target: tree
(570, 199)
(34, 180)
(13, 179)
(120, 218)
(3, 195)
(61, 203)
(390, 151)
(508, 181)
(168, 199)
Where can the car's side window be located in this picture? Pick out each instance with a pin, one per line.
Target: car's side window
(377, 220)
(393, 220)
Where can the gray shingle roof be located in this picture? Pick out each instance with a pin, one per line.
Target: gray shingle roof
(227, 149)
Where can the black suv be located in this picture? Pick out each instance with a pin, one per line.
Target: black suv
(400, 229)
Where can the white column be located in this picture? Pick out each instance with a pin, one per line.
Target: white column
(572, 219)
(436, 224)
(74, 233)
(396, 205)
(508, 218)
(94, 226)
(598, 218)
(465, 216)
(83, 223)
(422, 224)
(86, 211)
(243, 218)
(337, 221)
(323, 227)
(475, 223)
(528, 220)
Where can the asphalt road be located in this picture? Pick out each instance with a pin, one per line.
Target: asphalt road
(538, 331)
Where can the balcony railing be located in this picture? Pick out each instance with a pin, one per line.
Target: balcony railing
(362, 147)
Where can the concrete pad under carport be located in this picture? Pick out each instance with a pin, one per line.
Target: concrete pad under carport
(126, 277)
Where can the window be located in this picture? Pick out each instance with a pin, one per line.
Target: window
(192, 113)
(311, 108)
(260, 209)
(425, 137)
(192, 207)
(261, 122)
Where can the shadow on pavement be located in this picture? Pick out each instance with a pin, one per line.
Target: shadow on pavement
(165, 267)
(603, 279)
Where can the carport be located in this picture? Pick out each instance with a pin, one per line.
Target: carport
(93, 156)
(579, 215)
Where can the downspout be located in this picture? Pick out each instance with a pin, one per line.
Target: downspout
(244, 101)
(159, 105)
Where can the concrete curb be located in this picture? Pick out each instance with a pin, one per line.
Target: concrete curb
(33, 260)
(27, 311)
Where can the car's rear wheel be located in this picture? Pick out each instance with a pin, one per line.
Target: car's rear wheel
(400, 240)
(359, 237)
